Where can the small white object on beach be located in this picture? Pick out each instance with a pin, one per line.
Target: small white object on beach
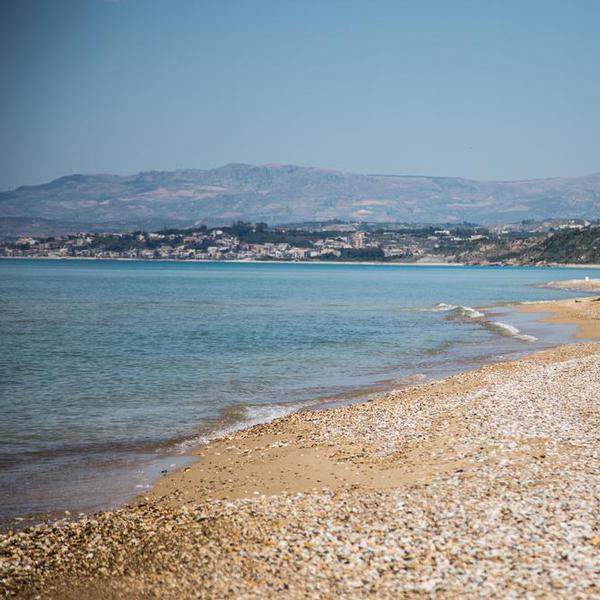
(587, 278)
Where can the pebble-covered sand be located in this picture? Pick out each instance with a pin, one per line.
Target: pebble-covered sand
(509, 506)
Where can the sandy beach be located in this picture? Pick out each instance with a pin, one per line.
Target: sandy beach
(484, 484)
(580, 285)
(584, 312)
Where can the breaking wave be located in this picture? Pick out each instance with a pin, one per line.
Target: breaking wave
(235, 418)
(510, 330)
(459, 311)
(468, 313)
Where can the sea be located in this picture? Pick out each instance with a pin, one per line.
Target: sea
(112, 371)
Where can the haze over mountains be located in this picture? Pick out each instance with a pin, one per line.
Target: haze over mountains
(283, 194)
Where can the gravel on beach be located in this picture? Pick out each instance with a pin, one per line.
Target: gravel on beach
(509, 506)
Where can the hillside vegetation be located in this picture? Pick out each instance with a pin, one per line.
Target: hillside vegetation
(580, 246)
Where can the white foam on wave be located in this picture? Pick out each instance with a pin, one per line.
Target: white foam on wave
(463, 311)
(470, 313)
(511, 330)
(467, 312)
(255, 415)
(442, 306)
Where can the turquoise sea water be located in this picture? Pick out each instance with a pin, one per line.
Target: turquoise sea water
(109, 370)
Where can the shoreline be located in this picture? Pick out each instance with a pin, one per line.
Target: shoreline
(306, 262)
(408, 444)
(584, 312)
(590, 286)
(246, 261)
(226, 478)
(182, 450)
(188, 448)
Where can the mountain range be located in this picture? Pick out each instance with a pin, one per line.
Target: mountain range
(284, 194)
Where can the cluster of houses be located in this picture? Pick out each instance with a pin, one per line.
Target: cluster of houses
(202, 245)
(229, 243)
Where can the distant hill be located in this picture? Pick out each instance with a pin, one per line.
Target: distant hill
(281, 194)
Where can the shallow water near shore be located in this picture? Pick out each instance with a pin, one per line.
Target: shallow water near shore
(111, 370)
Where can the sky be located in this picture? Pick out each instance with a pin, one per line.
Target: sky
(485, 90)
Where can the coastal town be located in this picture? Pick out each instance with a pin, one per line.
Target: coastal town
(328, 241)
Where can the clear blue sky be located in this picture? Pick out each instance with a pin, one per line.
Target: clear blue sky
(482, 89)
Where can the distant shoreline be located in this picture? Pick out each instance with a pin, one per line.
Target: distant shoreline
(243, 261)
(304, 262)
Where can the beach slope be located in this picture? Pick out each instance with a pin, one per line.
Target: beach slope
(484, 484)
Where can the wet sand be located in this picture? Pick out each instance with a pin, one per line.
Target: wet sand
(584, 313)
(480, 485)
